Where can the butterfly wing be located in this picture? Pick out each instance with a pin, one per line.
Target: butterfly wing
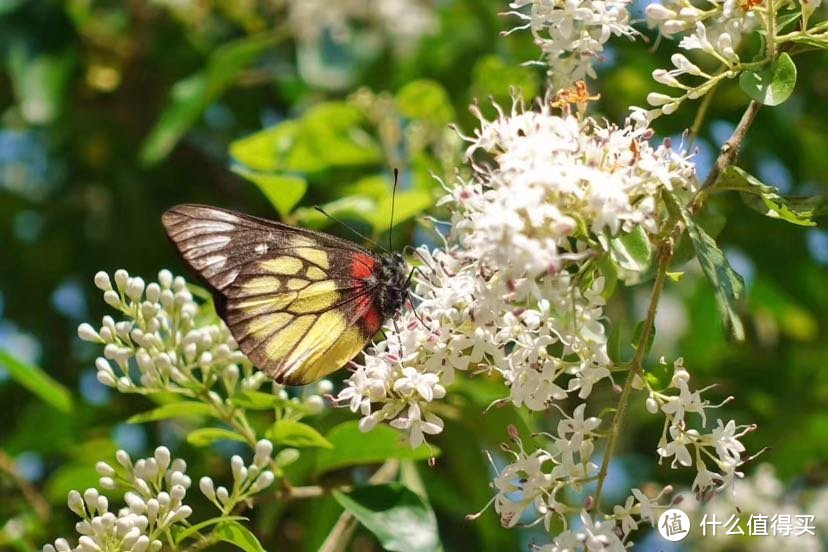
(300, 304)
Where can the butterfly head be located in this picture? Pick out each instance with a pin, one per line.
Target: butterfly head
(394, 276)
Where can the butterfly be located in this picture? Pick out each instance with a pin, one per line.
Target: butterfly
(300, 304)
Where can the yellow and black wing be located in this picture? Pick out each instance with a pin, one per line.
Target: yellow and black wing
(300, 304)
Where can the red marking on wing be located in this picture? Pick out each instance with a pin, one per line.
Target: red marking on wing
(371, 319)
(362, 267)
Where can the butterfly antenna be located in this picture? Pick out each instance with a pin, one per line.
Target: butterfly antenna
(354, 230)
(393, 201)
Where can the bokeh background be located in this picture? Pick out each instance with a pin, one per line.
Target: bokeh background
(113, 111)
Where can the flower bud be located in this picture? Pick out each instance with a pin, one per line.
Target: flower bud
(656, 99)
(264, 449)
(207, 488)
(162, 457)
(107, 482)
(236, 466)
(121, 279)
(88, 333)
(153, 292)
(75, 503)
(135, 288)
(112, 298)
(264, 481)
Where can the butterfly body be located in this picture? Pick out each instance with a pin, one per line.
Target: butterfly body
(300, 303)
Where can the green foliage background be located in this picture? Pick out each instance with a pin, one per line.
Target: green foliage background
(111, 112)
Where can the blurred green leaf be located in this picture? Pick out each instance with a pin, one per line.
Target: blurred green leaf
(238, 535)
(727, 285)
(492, 76)
(765, 199)
(40, 80)
(173, 410)
(283, 191)
(637, 331)
(352, 447)
(37, 381)
(394, 514)
(614, 343)
(256, 400)
(771, 85)
(191, 96)
(328, 135)
(352, 207)
(425, 100)
(268, 149)
(793, 320)
(288, 433)
(408, 204)
(182, 534)
(208, 435)
(68, 477)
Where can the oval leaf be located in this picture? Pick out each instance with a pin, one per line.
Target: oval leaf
(727, 284)
(771, 85)
(352, 447)
(172, 410)
(289, 433)
(238, 535)
(256, 400)
(395, 515)
(283, 191)
(193, 529)
(208, 435)
(765, 199)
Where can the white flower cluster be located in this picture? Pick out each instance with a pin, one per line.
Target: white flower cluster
(719, 449)
(155, 500)
(715, 29)
(404, 22)
(534, 485)
(571, 34)
(247, 480)
(514, 291)
(161, 337)
(158, 486)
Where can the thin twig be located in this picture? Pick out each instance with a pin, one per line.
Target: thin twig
(727, 156)
(39, 504)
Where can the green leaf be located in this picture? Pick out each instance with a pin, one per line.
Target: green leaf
(395, 515)
(288, 433)
(193, 529)
(256, 400)
(37, 381)
(191, 96)
(208, 435)
(283, 191)
(173, 410)
(727, 284)
(770, 85)
(492, 76)
(425, 100)
(347, 208)
(352, 447)
(763, 198)
(633, 251)
(639, 329)
(329, 135)
(238, 535)
(614, 344)
(407, 204)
